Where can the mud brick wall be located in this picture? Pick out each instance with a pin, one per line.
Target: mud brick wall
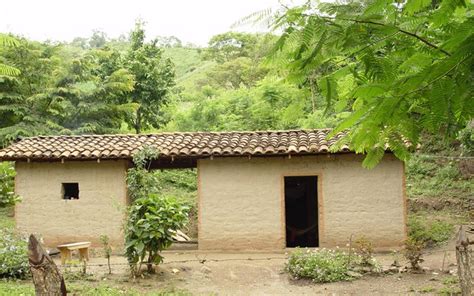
(98, 211)
(241, 201)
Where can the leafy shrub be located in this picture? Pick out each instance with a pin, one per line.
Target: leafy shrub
(7, 185)
(13, 256)
(430, 233)
(151, 224)
(322, 266)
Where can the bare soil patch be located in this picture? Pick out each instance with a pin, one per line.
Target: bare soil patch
(203, 273)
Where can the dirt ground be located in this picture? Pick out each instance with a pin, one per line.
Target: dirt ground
(204, 273)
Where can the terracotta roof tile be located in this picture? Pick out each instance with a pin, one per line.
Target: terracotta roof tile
(195, 144)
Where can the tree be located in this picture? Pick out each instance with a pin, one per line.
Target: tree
(154, 76)
(241, 71)
(7, 70)
(98, 39)
(25, 105)
(91, 91)
(231, 45)
(402, 69)
(169, 41)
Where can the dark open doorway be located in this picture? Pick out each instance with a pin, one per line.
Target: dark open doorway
(301, 211)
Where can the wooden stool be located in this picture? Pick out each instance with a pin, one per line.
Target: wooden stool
(66, 249)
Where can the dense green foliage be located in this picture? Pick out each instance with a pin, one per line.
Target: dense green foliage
(152, 219)
(7, 70)
(98, 85)
(400, 68)
(107, 87)
(13, 255)
(7, 184)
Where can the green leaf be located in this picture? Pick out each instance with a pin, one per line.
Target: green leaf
(373, 157)
(413, 6)
(369, 91)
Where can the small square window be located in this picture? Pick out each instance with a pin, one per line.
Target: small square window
(70, 190)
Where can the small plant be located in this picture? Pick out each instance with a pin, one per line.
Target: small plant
(13, 256)
(413, 252)
(107, 250)
(427, 289)
(396, 258)
(365, 249)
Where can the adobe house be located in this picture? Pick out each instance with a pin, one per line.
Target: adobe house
(256, 190)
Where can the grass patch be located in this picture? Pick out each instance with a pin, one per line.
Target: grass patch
(437, 178)
(450, 286)
(26, 288)
(431, 232)
(16, 288)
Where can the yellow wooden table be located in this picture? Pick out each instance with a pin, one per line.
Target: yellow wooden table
(66, 249)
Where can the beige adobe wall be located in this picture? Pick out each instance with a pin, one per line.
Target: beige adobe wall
(98, 211)
(242, 201)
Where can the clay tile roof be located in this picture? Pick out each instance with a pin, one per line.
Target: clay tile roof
(196, 144)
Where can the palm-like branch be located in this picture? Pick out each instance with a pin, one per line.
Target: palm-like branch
(6, 70)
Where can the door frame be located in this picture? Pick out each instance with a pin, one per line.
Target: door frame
(319, 203)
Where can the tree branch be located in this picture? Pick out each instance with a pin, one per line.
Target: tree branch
(399, 30)
(438, 77)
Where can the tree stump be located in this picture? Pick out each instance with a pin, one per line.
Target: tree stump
(463, 260)
(47, 279)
